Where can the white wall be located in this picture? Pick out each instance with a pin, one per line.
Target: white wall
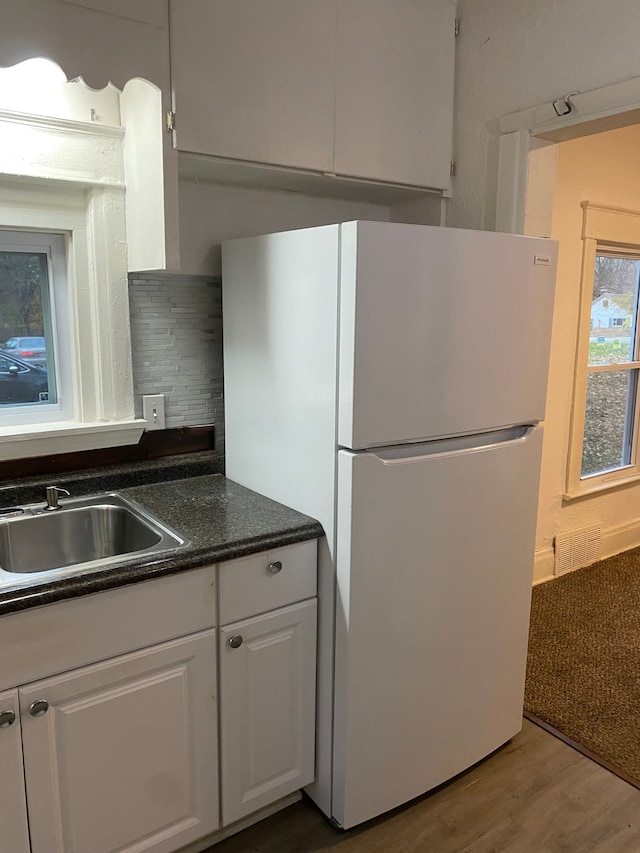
(211, 213)
(514, 54)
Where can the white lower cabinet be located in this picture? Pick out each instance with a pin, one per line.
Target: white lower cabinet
(267, 708)
(110, 742)
(14, 834)
(122, 755)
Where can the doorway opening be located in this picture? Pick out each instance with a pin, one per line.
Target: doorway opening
(578, 182)
(548, 166)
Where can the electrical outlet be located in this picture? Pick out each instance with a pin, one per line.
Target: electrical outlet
(153, 410)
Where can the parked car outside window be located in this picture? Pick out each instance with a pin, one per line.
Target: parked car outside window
(21, 382)
(30, 349)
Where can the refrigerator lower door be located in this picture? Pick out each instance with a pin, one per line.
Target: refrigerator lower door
(435, 547)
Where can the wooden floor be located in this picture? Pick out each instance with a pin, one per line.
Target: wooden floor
(535, 795)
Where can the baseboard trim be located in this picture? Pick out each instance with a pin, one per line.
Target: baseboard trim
(543, 564)
(621, 538)
(215, 837)
(614, 540)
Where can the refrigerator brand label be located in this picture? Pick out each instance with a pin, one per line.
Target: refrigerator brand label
(542, 260)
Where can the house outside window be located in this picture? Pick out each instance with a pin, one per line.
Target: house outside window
(605, 432)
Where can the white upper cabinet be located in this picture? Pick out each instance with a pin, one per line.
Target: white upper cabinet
(359, 88)
(394, 91)
(147, 11)
(254, 80)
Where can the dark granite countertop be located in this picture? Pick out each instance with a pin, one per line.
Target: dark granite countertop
(111, 478)
(221, 519)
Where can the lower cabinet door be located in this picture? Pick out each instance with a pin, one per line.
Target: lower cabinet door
(267, 708)
(14, 835)
(122, 755)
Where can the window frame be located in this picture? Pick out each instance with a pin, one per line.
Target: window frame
(613, 231)
(80, 194)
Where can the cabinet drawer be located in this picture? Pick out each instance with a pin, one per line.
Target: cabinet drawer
(254, 584)
(67, 634)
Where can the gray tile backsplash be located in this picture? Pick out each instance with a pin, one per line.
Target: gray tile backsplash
(176, 343)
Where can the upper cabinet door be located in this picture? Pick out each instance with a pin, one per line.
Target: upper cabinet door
(147, 11)
(394, 91)
(255, 81)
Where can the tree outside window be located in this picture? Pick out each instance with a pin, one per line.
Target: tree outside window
(20, 295)
(27, 321)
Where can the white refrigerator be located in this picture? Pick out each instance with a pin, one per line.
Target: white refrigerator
(390, 381)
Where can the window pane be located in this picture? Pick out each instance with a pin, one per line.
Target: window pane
(613, 310)
(27, 370)
(608, 421)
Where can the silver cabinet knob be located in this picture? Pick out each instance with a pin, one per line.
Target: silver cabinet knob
(235, 642)
(275, 567)
(37, 709)
(7, 718)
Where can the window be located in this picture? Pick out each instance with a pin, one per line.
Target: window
(71, 238)
(605, 433)
(35, 385)
(612, 380)
(66, 228)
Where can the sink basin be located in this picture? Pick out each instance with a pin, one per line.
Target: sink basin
(82, 533)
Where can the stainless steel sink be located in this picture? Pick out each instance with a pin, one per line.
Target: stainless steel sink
(83, 533)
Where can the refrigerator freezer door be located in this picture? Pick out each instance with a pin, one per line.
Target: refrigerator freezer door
(435, 557)
(442, 331)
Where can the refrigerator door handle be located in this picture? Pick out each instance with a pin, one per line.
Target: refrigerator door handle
(457, 446)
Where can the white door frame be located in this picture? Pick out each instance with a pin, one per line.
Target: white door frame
(590, 112)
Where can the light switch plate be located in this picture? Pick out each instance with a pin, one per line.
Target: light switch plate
(153, 410)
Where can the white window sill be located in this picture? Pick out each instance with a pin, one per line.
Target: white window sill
(21, 442)
(587, 488)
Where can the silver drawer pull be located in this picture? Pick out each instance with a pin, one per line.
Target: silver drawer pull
(37, 709)
(7, 718)
(235, 642)
(275, 567)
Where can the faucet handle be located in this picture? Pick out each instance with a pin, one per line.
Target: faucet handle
(52, 493)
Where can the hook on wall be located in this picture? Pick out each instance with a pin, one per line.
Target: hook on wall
(563, 106)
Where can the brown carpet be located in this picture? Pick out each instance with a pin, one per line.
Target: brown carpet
(583, 668)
